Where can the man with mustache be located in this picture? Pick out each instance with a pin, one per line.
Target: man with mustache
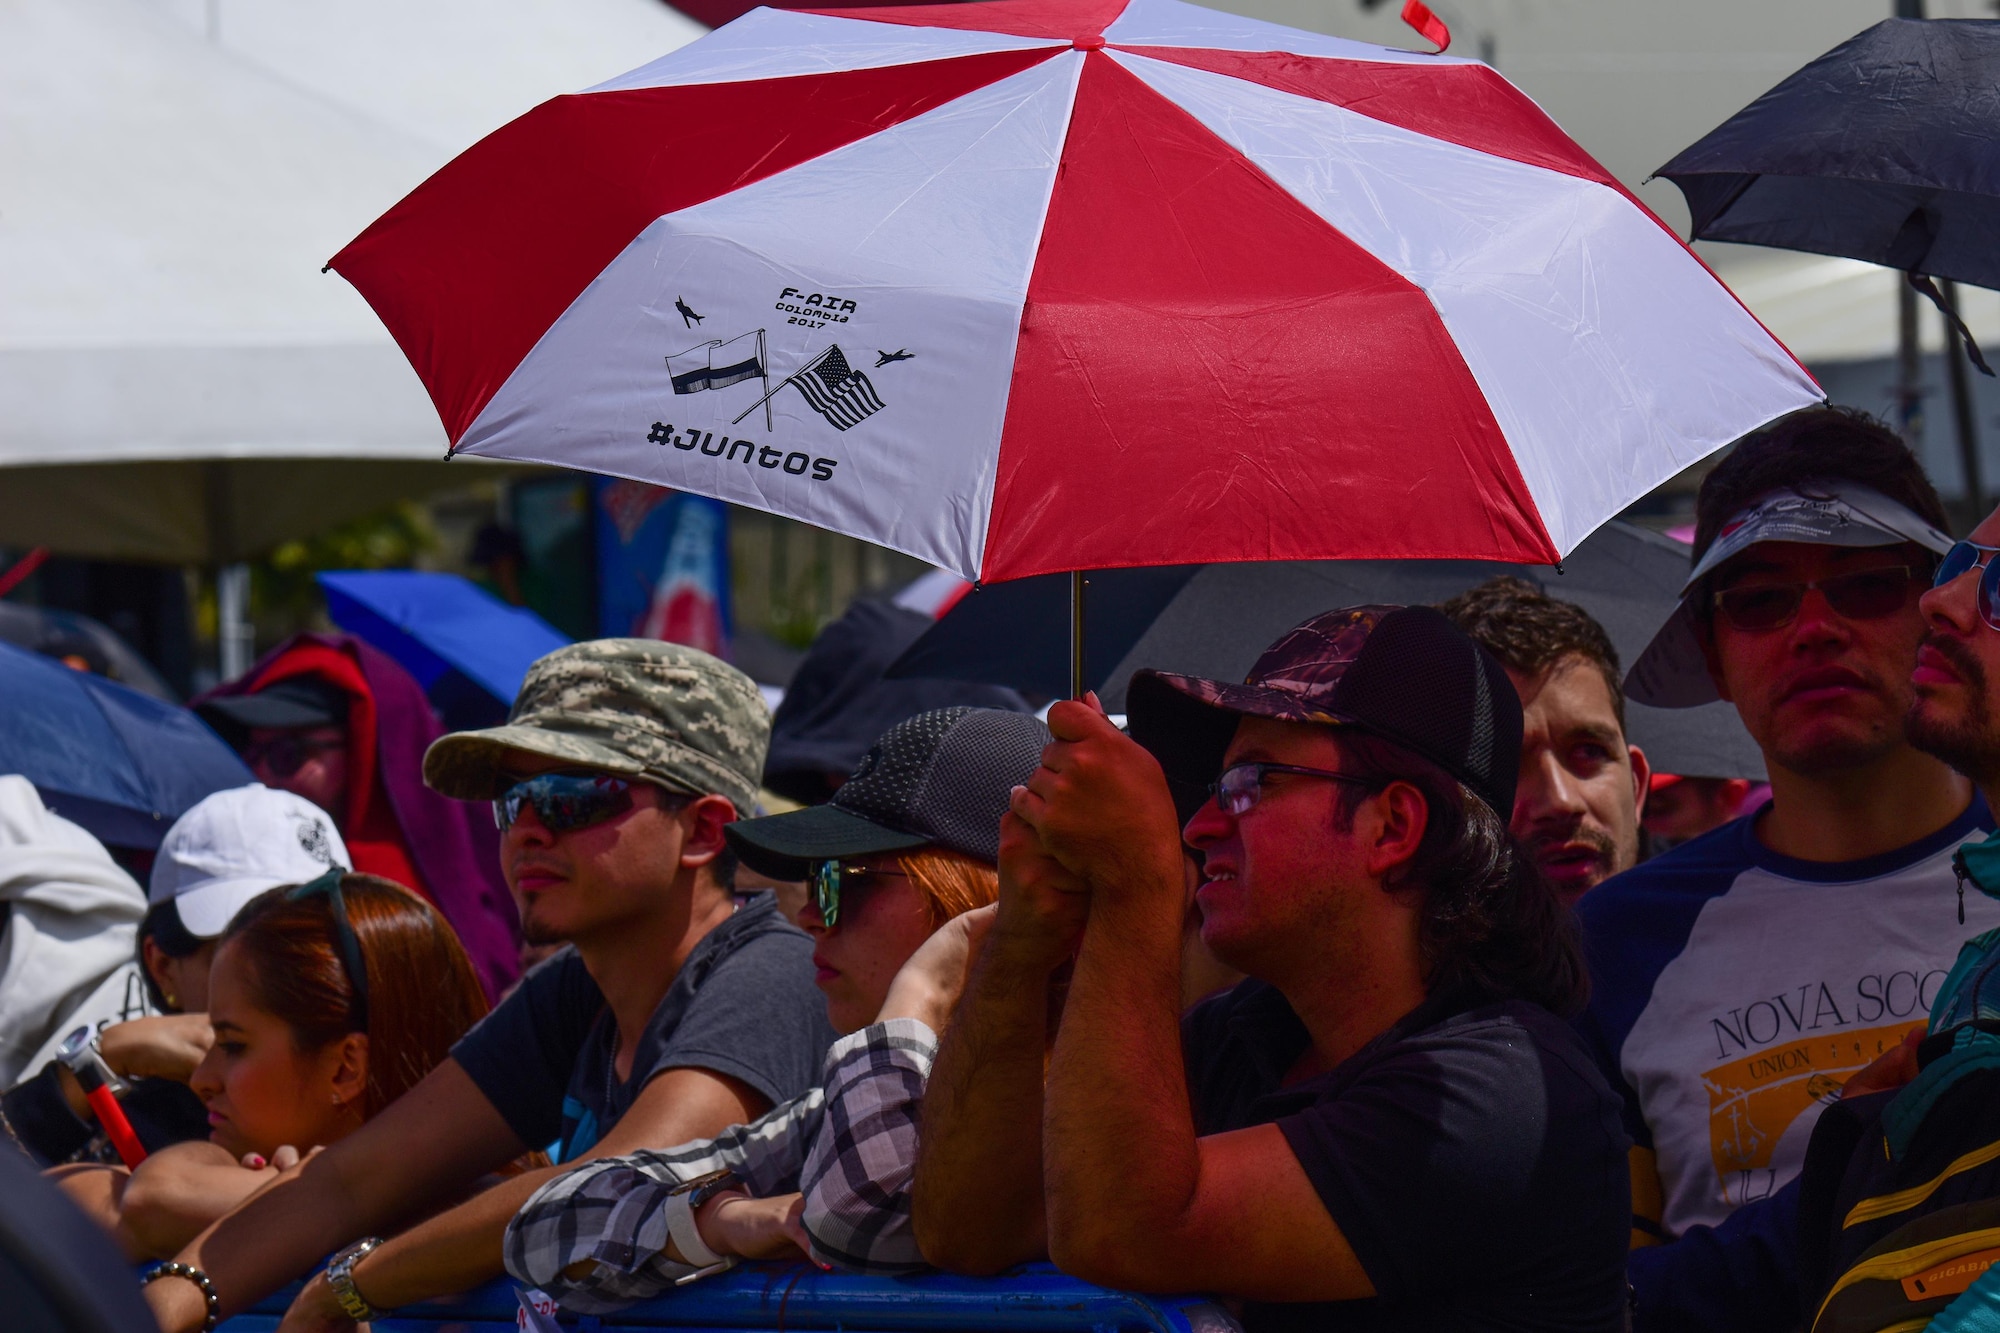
(1740, 979)
(1953, 715)
(1582, 785)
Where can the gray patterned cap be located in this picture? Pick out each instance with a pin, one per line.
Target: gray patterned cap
(941, 778)
(633, 707)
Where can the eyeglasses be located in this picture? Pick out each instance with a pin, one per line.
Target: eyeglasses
(1241, 786)
(344, 938)
(564, 802)
(285, 754)
(1963, 558)
(1867, 594)
(829, 876)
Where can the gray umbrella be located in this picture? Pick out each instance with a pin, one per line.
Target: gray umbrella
(63, 633)
(1625, 576)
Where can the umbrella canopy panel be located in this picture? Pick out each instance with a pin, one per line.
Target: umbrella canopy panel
(439, 627)
(1886, 149)
(121, 764)
(1025, 286)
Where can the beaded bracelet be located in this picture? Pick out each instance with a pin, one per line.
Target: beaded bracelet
(196, 1276)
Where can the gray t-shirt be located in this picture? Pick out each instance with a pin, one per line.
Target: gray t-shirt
(743, 1005)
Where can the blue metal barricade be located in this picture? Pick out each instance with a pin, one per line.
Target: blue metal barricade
(778, 1297)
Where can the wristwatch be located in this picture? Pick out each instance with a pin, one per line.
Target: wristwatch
(682, 1201)
(340, 1277)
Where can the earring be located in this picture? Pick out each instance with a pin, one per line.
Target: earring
(173, 1000)
(336, 1099)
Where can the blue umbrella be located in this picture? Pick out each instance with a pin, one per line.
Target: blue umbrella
(467, 648)
(118, 762)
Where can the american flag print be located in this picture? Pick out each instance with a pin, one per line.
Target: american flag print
(837, 392)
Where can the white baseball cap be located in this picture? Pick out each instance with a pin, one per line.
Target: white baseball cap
(235, 844)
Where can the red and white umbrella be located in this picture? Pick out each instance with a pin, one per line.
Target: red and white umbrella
(1037, 285)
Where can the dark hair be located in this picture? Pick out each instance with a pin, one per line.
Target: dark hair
(1491, 926)
(423, 994)
(1530, 631)
(163, 926)
(1815, 444)
(723, 868)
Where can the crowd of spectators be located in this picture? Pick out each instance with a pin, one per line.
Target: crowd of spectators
(1386, 988)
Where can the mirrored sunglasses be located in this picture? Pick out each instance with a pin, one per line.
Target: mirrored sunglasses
(564, 802)
(829, 877)
(1964, 558)
(1867, 594)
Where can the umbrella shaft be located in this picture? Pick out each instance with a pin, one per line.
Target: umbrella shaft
(1077, 583)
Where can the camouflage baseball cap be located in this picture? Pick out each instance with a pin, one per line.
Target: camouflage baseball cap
(1404, 673)
(634, 707)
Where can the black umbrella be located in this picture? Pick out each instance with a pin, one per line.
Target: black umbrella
(1213, 620)
(838, 702)
(58, 1271)
(1885, 149)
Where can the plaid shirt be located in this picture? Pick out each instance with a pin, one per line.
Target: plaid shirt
(850, 1146)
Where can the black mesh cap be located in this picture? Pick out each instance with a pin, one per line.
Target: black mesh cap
(941, 778)
(1404, 673)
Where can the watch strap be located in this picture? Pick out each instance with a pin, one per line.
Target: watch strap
(687, 1236)
(340, 1279)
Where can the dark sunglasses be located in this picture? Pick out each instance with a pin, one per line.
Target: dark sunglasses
(286, 754)
(1241, 786)
(344, 939)
(1963, 558)
(565, 802)
(828, 877)
(1867, 594)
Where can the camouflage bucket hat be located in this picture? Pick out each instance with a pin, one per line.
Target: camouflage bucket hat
(1403, 673)
(634, 707)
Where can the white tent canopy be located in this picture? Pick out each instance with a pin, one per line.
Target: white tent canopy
(166, 204)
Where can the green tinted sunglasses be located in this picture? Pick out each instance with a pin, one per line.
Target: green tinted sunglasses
(828, 877)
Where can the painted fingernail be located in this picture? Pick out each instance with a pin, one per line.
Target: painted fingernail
(257, 1162)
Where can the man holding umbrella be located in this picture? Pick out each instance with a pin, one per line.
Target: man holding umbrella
(1739, 980)
(1334, 1140)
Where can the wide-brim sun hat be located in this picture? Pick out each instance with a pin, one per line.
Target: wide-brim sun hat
(1673, 672)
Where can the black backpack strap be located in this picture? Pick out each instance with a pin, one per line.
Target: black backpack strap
(1842, 1129)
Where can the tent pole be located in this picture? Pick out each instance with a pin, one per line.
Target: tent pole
(1077, 583)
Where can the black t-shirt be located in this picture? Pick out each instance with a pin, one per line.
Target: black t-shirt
(743, 1005)
(1471, 1155)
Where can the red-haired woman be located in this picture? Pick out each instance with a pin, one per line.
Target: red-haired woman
(903, 878)
(328, 1002)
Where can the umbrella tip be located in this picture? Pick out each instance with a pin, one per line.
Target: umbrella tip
(1095, 42)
